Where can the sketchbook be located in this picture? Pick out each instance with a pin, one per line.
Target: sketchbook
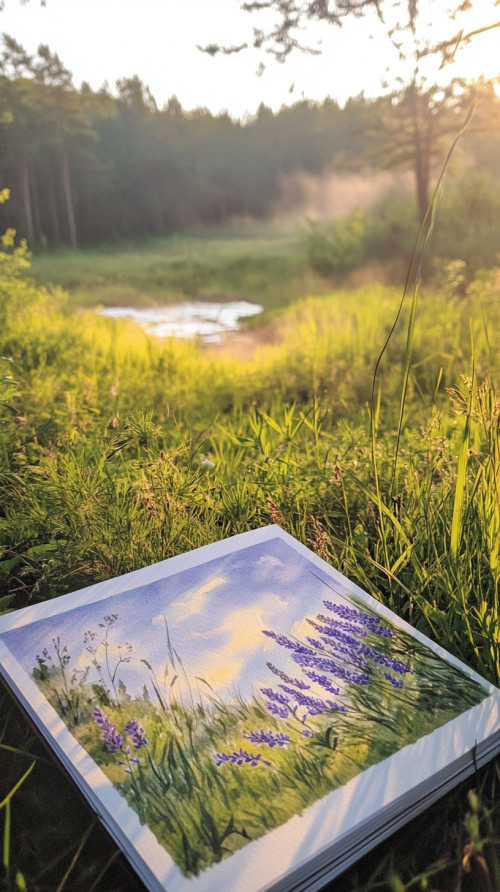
(243, 716)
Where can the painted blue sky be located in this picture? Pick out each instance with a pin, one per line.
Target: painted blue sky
(215, 614)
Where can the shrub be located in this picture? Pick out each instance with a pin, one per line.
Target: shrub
(338, 247)
(467, 223)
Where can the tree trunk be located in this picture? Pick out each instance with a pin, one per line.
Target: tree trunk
(54, 216)
(422, 183)
(420, 161)
(36, 205)
(25, 189)
(66, 183)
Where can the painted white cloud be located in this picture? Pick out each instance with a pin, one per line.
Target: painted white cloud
(271, 567)
(241, 631)
(194, 602)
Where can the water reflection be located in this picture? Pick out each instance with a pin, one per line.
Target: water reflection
(208, 320)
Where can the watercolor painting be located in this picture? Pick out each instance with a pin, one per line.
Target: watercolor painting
(227, 698)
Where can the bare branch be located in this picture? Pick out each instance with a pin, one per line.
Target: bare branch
(213, 49)
(448, 48)
(281, 40)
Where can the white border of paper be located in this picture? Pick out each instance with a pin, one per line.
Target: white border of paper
(330, 834)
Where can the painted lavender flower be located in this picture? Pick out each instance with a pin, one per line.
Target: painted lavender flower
(342, 652)
(268, 737)
(115, 740)
(295, 681)
(112, 739)
(129, 761)
(276, 704)
(136, 733)
(242, 757)
(373, 623)
(314, 705)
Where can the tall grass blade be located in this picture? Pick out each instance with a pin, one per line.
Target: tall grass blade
(421, 248)
(418, 254)
(459, 498)
(16, 786)
(6, 837)
(77, 853)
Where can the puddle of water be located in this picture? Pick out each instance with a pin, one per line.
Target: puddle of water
(207, 320)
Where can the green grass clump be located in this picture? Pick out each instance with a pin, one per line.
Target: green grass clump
(117, 451)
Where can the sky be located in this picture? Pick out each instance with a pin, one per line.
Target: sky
(101, 41)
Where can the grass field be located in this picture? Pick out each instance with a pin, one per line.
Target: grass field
(266, 262)
(117, 451)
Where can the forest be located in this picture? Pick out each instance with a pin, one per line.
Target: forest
(88, 167)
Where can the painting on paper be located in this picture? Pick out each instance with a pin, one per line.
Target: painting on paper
(229, 697)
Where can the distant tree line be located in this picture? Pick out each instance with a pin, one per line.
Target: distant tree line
(86, 167)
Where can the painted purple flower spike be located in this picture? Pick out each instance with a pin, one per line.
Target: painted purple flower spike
(136, 733)
(111, 737)
(276, 704)
(323, 681)
(268, 737)
(284, 641)
(297, 682)
(372, 623)
(274, 709)
(273, 695)
(397, 683)
(240, 758)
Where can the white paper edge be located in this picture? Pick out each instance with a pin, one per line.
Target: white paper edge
(261, 864)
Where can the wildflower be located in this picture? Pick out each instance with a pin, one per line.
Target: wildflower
(324, 664)
(343, 626)
(315, 706)
(268, 737)
(318, 645)
(313, 703)
(307, 733)
(287, 642)
(136, 733)
(323, 681)
(284, 677)
(373, 623)
(276, 704)
(274, 709)
(239, 758)
(332, 632)
(111, 737)
(397, 683)
(272, 695)
(356, 651)
(129, 760)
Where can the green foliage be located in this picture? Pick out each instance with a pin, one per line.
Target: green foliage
(467, 227)
(117, 451)
(392, 230)
(466, 233)
(338, 248)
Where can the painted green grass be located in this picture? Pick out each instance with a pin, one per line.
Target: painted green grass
(209, 771)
